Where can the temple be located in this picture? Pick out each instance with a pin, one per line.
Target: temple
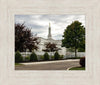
(49, 39)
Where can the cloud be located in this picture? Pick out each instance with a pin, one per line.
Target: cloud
(39, 23)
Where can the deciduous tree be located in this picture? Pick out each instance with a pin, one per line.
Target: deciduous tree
(50, 47)
(74, 36)
(24, 39)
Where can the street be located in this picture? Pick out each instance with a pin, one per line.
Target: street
(49, 65)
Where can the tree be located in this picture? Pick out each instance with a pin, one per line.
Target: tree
(74, 36)
(24, 39)
(51, 47)
(33, 57)
(18, 57)
(46, 56)
(56, 56)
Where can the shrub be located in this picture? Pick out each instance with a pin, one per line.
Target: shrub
(18, 57)
(27, 58)
(61, 56)
(82, 61)
(41, 57)
(52, 57)
(73, 58)
(33, 57)
(56, 56)
(46, 56)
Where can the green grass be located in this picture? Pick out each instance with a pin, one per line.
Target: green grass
(17, 64)
(77, 68)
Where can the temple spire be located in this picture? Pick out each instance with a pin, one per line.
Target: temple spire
(49, 32)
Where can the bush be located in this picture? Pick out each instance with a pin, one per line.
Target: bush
(82, 61)
(18, 57)
(61, 56)
(46, 56)
(33, 57)
(56, 56)
(27, 58)
(73, 58)
(52, 57)
(41, 57)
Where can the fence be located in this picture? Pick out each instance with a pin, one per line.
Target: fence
(68, 54)
(72, 54)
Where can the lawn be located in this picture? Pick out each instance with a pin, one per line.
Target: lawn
(77, 68)
(17, 64)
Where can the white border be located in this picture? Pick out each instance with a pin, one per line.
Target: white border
(12, 77)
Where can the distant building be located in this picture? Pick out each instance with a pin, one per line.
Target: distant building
(43, 41)
(62, 51)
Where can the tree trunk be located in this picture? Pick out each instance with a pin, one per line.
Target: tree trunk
(75, 52)
(75, 48)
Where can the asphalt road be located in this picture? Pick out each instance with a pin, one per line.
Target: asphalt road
(62, 65)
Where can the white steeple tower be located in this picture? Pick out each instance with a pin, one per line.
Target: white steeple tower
(49, 32)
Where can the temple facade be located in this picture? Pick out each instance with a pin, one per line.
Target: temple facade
(49, 39)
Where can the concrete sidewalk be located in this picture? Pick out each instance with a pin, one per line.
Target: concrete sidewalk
(47, 62)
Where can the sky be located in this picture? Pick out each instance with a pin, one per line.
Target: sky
(39, 24)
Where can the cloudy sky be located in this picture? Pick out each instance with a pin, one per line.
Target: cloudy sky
(39, 23)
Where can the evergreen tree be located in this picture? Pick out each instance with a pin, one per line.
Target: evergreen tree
(18, 57)
(46, 56)
(33, 57)
(56, 56)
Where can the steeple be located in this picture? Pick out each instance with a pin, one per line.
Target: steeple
(49, 32)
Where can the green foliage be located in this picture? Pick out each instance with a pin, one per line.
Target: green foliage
(56, 55)
(81, 50)
(52, 57)
(42, 57)
(46, 56)
(77, 68)
(74, 36)
(33, 57)
(71, 49)
(73, 58)
(18, 57)
(17, 64)
(27, 58)
(61, 56)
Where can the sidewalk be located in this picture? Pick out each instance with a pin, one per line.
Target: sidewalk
(46, 62)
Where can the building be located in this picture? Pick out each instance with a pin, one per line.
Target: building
(43, 41)
(62, 51)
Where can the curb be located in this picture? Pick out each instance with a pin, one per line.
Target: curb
(69, 68)
(47, 62)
